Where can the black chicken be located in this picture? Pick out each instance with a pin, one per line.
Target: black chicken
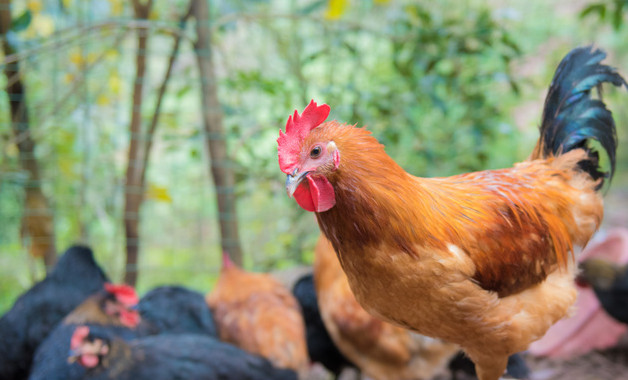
(166, 357)
(51, 358)
(319, 344)
(36, 312)
(610, 284)
(111, 309)
(175, 310)
(517, 366)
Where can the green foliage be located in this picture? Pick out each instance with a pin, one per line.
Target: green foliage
(448, 67)
(22, 22)
(611, 11)
(439, 83)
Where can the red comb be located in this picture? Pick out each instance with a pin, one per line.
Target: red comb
(124, 293)
(80, 333)
(297, 127)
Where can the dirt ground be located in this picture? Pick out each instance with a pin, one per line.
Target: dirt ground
(608, 365)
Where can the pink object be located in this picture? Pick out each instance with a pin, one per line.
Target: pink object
(590, 328)
(297, 127)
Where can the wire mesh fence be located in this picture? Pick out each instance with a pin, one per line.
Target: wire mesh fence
(439, 106)
(78, 80)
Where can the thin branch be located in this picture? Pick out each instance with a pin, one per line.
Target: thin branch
(344, 25)
(162, 90)
(58, 39)
(133, 196)
(135, 24)
(221, 169)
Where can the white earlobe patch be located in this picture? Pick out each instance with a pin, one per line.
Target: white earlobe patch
(333, 149)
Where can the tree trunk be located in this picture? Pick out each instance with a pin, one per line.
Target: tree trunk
(37, 227)
(134, 189)
(221, 168)
(141, 143)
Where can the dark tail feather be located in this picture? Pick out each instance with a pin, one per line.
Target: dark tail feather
(571, 116)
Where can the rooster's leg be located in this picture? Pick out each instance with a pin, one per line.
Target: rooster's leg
(489, 368)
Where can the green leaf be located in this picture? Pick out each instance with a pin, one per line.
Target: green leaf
(618, 15)
(598, 8)
(508, 41)
(312, 7)
(22, 22)
(183, 90)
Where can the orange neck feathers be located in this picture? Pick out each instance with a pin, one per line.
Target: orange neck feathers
(371, 191)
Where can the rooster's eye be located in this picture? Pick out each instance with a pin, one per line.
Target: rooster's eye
(315, 152)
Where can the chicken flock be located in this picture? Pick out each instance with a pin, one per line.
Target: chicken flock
(413, 278)
(75, 324)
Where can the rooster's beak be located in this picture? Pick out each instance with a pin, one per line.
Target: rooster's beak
(293, 181)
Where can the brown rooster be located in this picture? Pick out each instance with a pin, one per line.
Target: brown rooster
(259, 315)
(381, 350)
(481, 259)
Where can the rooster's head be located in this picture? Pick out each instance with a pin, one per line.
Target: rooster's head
(308, 158)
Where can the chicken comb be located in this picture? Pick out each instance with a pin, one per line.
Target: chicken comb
(124, 293)
(297, 127)
(80, 333)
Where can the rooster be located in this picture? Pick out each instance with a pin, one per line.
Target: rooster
(483, 259)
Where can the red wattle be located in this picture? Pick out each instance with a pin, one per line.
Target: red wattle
(303, 196)
(315, 195)
(322, 193)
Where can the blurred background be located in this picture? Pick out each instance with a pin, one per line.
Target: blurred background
(148, 129)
